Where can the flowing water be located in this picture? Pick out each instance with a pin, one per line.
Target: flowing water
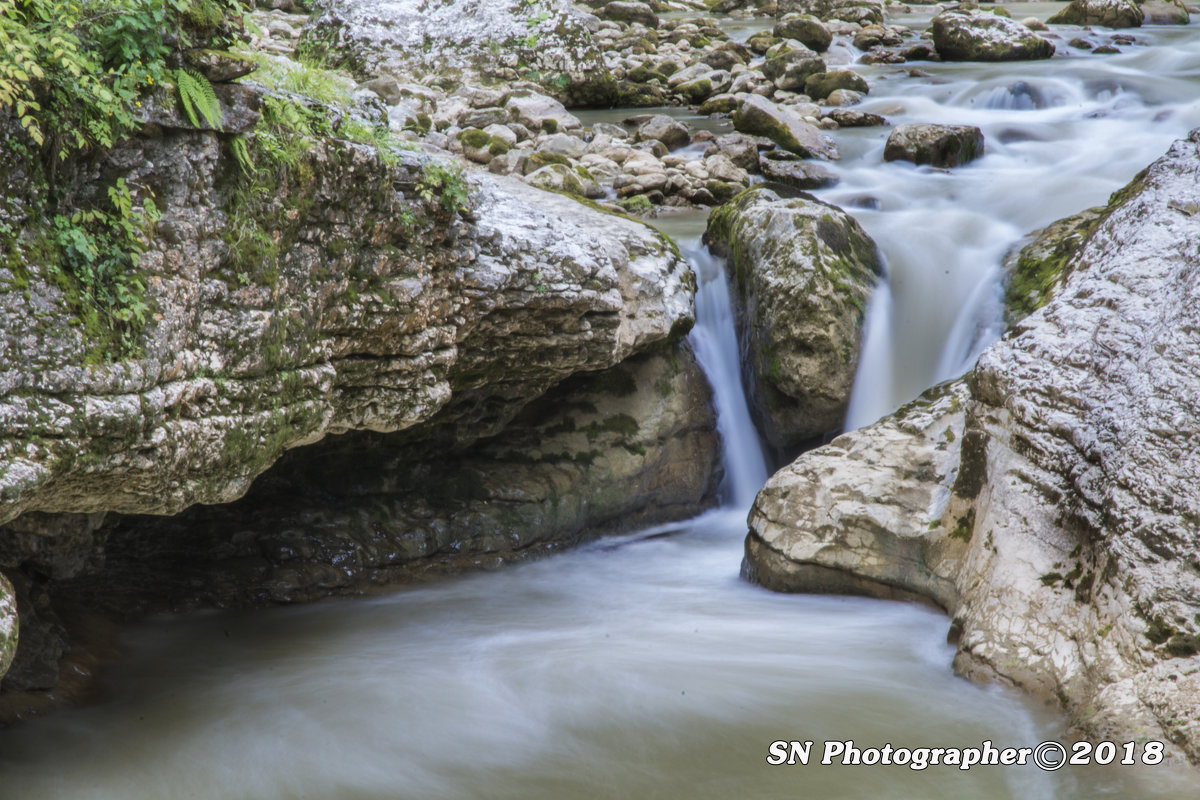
(1061, 135)
(642, 666)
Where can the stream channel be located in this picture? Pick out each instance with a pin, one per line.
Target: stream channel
(643, 666)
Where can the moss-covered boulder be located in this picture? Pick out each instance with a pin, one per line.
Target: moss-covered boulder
(937, 145)
(803, 271)
(983, 36)
(621, 11)
(822, 84)
(806, 29)
(1036, 271)
(758, 116)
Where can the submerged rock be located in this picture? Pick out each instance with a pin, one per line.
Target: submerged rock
(1054, 511)
(938, 145)
(804, 271)
(983, 36)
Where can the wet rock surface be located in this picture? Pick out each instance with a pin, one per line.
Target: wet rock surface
(937, 145)
(1052, 509)
(803, 271)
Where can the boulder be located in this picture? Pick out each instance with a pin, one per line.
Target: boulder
(805, 175)
(1050, 504)
(822, 84)
(849, 118)
(821, 523)
(667, 130)
(938, 145)
(805, 29)
(1109, 13)
(804, 271)
(983, 36)
(1165, 12)
(538, 112)
(760, 117)
(630, 12)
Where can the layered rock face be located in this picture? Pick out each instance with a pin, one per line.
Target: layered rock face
(1063, 541)
(804, 271)
(363, 296)
(600, 453)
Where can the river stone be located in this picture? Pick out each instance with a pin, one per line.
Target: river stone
(1060, 511)
(804, 271)
(1165, 12)
(849, 118)
(463, 41)
(797, 72)
(823, 84)
(760, 117)
(630, 12)
(667, 130)
(1109, 13)
(938, 145)
(537, 112)
(983, 36)
(741, 149)
(798, 174)
(556, 178)
(805, 29)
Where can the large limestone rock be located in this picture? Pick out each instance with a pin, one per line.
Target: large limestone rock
(758, 116)
(804, 271)
(1063, 542)
(1109, 13)
(464, 40)
(937, 145)
(983, 36)
(602, 452)
(359, 296)
(862, 515)
(339, 334)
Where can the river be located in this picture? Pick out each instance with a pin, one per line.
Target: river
(643, 666)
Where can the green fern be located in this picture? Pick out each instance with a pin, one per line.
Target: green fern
(198, 99)
(242, 153)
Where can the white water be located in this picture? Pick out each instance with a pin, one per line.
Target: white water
(643, 667)
(1060, 137)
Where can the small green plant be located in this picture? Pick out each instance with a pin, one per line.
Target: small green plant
(100, 252)
(197, 97)
(446, 183)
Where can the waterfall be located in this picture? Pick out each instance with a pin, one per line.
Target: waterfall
(716, 346)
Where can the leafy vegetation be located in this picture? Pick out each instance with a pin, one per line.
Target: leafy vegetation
(73, 77)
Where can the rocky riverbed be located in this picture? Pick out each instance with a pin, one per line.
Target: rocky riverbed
(444, 337)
